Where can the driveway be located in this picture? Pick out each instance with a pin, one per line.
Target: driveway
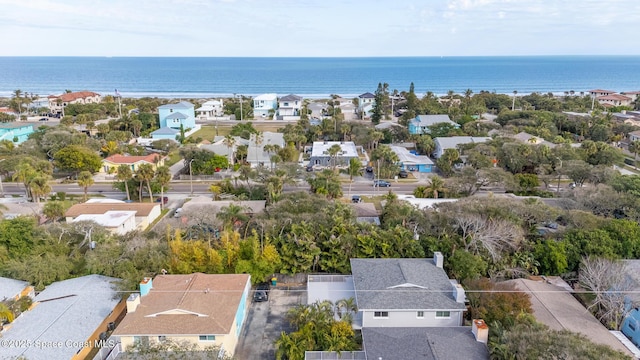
(265, 321)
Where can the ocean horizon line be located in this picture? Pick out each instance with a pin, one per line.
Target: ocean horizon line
(322, 57)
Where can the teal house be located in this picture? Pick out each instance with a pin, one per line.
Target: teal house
(420, 124)
(15, 132)
(176, 115)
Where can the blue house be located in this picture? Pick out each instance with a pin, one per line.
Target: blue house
(265, 105)
(411, 162)
(165, 133)
(420, 124)
(15, 132)
(631, 326)
(174, 115)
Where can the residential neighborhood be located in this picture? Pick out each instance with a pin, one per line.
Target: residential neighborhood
(384, 225)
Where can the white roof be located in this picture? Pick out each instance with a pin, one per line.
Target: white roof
(421, 203)
(67, 311)
(210, 105)
(452, 142)
(104, 201)
(266, 97)
(109, 219)
(321, 148)
(408, 158)
(9, 288)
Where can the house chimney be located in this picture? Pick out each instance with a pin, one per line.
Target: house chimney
(132, 302)
(145, 286)
(458, 293)
(438, 259)
(480, 331)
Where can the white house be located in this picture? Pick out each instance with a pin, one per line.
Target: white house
(453, 142)
(365, 104)
(116, 216)
(264, 105)
(289, 107)
(211, 108)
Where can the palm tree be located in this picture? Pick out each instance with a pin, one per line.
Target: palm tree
(232, 215)
(229, 141)
(513, 106)
(163, 177)
(85, 179)
(125, 174)
(145, 174)
(215, 189)
(333, 151)
(354, 169)
(258, 138)
(436, 186)
(25, 173)
(634, 147)
(39, 187)
(345, 129)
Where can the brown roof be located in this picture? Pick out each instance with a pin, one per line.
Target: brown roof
(127, 159)
(364, 209)
(614, 97)
(76, 95)
(601, 91)
(142, 209)
(208, 304)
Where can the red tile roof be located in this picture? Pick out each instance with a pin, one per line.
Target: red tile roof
(75, 95)
(126, 159)
(614, 97)
(601, 91)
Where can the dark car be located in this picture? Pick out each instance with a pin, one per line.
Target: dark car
(43, 119)
(356, 199)
(309, 168)
(403, 174)
(262, 292)
(381, 183)
(164, 200)
(369, 169)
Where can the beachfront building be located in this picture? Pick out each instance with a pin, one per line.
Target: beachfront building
(365, 105)
(412, 162)
(211, 108)
(111, 164)
(265, 105)
(420, 124)
(289, 107)
(600, 92)
(15, 132)
(199, 309)
(176, 115)
(57, 103)
(454, 142)
(614, 100)
(320, 155)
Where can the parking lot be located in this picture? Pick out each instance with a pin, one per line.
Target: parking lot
(265, 321)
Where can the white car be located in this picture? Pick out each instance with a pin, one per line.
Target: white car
(177, 213)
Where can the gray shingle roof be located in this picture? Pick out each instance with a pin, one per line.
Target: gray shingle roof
(367, 95)
(452, 142)
(436, 343)
(429, 120)
(176, 115)
(166, 131)
(68, 310)
(416, 284)
(291, 97)
(180, 105)
(10, 287)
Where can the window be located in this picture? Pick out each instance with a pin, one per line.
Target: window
(207, 338)
(420, 314)
(443, 314)
(380, 314)
(632, 326)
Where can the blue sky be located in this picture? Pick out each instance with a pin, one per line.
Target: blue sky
(318, 28)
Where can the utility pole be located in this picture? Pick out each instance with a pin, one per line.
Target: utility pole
(191, 176)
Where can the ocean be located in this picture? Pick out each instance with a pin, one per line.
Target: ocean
(198, 77)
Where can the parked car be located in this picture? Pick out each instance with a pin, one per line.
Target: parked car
(164, 200)
(309, 168)
(44, 119)
(403, 174)
(356, 199)
(177, 213)
(369, 169)
(381, 183)
(262, 292)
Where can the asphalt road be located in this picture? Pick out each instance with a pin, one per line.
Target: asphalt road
(202, 187)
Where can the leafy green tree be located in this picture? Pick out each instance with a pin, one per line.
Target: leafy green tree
(85, 179)
(326, 183)
(497, 302)
(243, 129)
(449, 158)
(552, 256)
(40, 187)
(381, 101)
(527, 182)
(54, 210)
(17, 236)
(436, 186)
(232, 216)
(466, 266)
(77, 158)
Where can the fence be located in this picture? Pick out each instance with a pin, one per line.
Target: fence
(332, 355)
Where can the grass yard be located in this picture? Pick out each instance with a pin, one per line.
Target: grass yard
(208, 132)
